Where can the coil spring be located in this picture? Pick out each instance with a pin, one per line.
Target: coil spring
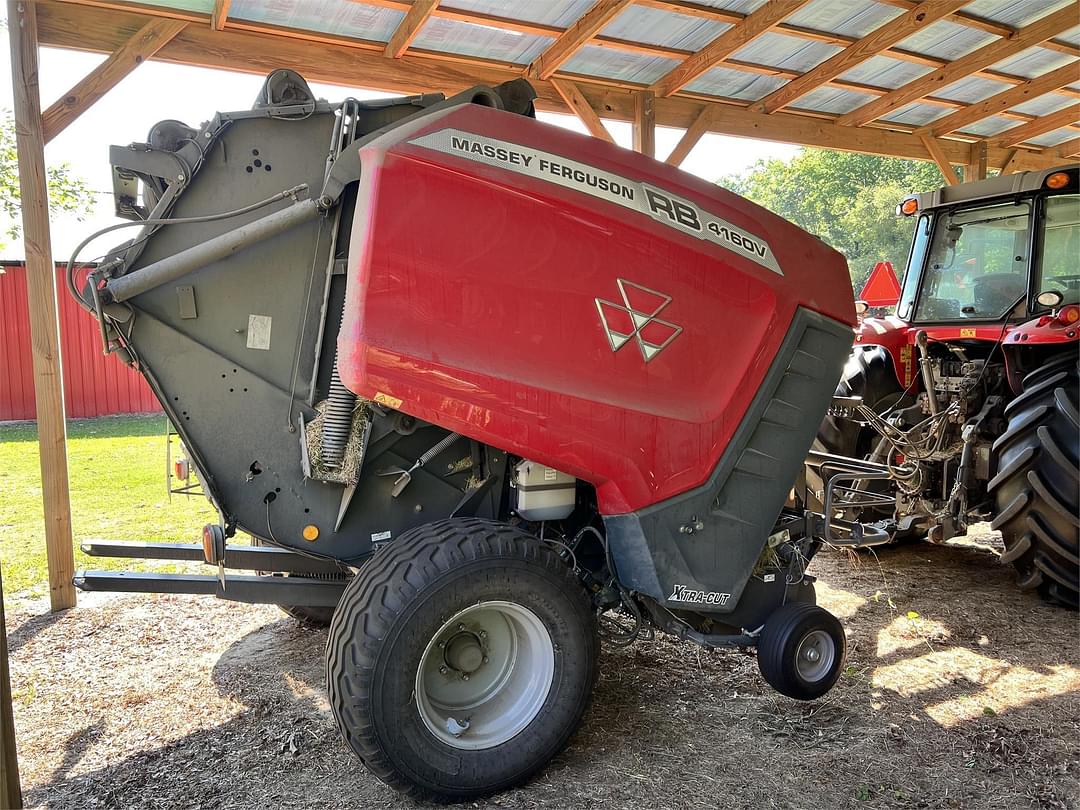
(337, 421)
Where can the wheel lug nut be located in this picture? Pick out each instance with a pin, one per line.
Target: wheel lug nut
(485, 659)
(461, 627)
(465, 676)
(483, 634)
(442, 670)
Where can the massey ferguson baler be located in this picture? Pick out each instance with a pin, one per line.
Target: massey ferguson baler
(487, 391)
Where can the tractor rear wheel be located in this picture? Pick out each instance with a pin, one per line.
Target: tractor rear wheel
(1037, 487)
(461, 659)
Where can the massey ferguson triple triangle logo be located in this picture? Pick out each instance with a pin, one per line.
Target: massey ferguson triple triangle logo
(636, 317)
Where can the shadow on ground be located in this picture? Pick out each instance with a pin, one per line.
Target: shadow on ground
(959, 692)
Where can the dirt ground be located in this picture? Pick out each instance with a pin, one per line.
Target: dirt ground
(959, 692)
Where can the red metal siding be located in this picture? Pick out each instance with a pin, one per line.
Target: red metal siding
(94, 385)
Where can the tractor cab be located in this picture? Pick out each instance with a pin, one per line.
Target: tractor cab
(1001, 250)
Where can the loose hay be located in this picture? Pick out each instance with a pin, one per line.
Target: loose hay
(167, 702)
(349, 471)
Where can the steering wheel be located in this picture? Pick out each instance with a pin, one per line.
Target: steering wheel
(1060, 279)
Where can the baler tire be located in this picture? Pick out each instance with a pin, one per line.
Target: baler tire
(781, 647)
(387, 625)
(1036, 490)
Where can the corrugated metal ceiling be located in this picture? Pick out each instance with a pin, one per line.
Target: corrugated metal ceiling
(945, 40)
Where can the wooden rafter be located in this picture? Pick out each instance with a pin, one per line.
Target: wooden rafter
(575, 37)
(726, 44)
(644, 126)
(418, 14)
(220, 14)
(573, 97)
(694, 133)
(970, 20)
(1001, 102)
(1038, 31)
(1040, 126)
(1069, 147)
(147, 41)
(872, 44)
(933, 148)
(75, 25)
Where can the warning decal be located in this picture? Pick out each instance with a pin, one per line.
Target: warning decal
(658, 204)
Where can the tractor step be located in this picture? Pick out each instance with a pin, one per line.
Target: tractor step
(245, 558)
(254, 589)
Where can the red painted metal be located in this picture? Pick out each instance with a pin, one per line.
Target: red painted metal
(456, 268)
(94, 385)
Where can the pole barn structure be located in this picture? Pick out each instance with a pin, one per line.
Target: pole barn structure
(971, 86)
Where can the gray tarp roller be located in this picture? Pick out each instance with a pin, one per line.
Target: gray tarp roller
(184, 262)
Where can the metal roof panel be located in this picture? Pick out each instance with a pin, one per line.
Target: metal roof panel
(483, 41)
(657, 27)
(946, 40)
(832, 100)
(884, 71)
(852, 18)
(729, 83)
(1033, 62)
(792, 53)
(339, 17)
(622, 65)
(562, 13)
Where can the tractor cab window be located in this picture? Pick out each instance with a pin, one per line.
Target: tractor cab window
(977, 264)
(1059, 252)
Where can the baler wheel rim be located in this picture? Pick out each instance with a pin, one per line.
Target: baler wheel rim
(478, 704)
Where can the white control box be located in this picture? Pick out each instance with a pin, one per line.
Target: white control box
(543, 493)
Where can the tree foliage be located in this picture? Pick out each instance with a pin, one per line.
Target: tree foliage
(847, 199)
(68, 193)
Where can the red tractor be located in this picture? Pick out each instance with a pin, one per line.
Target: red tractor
(968, 395)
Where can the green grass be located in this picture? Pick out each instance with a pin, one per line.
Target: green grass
(116, 470)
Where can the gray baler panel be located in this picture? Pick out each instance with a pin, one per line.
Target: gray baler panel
(697, 551)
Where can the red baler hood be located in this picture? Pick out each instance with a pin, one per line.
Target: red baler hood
(568, 300)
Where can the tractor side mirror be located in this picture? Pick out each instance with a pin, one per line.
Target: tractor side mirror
(1049, 298)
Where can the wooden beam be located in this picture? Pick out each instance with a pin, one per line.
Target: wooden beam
(1040, 126)
(1067, 148)
(1000, 102)
(872, 44)
(690, 138)
(41, 300)
(145, 43)
(575, 37)
(10, 788)
(81, 27)
(1038, 31)
(978, 160)
(581, 107)
(726, 44)
(933, 148)
(220, 14)
(1012, 162)
(645, 123)
(970, 20)
(418, 14)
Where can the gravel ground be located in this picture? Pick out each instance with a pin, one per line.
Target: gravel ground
(959, 692)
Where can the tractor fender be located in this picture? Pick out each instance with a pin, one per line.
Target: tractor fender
(895, 336)
(1046, 329)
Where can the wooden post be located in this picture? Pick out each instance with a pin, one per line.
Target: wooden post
(10, 789)
(41, 295)
(976, 165)
(645, 123)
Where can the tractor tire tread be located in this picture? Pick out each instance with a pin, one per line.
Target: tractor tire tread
(1035, 489)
